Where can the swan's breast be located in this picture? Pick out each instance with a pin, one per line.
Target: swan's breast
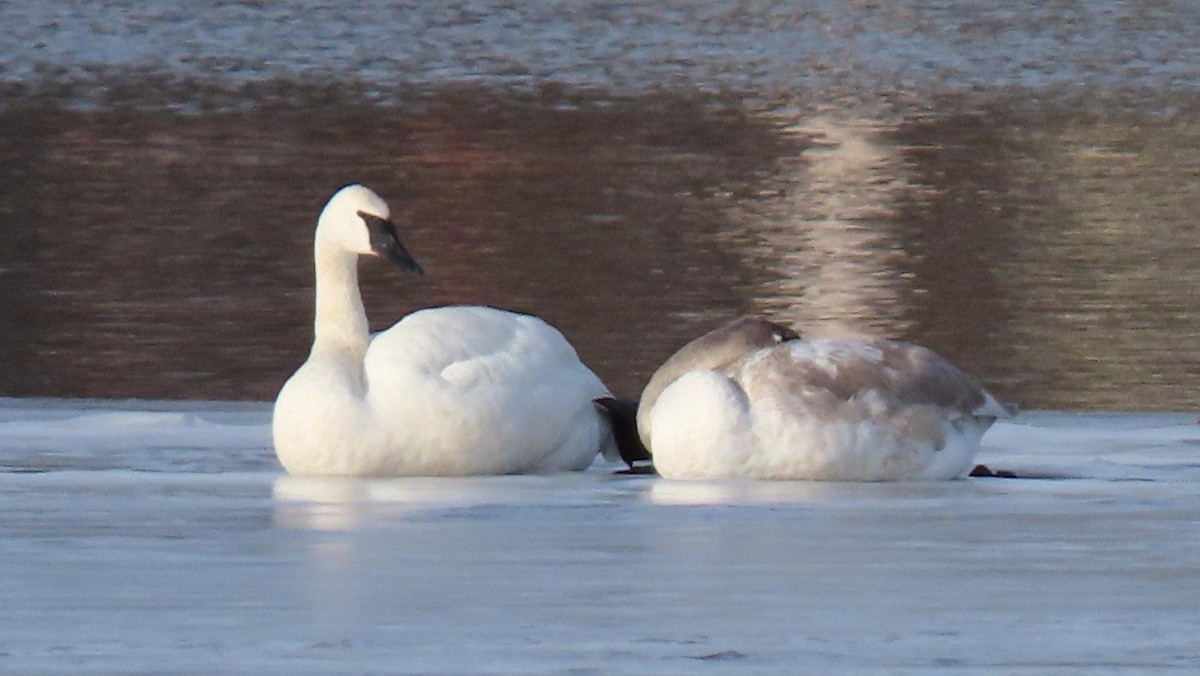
(700, 426)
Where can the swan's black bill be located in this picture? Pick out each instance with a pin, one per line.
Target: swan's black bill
(622, 415)
(386, 243)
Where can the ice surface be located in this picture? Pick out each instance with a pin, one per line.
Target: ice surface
(756, 46)
(147, 537)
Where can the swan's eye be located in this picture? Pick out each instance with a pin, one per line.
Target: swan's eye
(370, 219)
(784, 334)
(377, 226)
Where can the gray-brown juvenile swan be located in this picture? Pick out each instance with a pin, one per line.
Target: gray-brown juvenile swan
(753, 399)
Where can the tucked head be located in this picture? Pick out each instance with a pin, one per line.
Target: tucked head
(715, 350)
(359, 221)
(723, 346)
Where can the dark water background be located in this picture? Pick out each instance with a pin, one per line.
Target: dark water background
(1031, 216)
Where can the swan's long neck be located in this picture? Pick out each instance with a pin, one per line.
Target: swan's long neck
(341, 322)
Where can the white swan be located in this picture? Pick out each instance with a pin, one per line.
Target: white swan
(446, 391)
(752, 399)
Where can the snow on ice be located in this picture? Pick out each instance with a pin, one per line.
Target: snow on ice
(151, 537)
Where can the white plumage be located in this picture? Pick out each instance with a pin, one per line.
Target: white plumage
(751, 399)
(446, 391)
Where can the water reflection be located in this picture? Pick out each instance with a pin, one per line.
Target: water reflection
(846, 495)
(1055, 252)
(828, 240)
(337, 504)
(1112, 274)
(156, 254)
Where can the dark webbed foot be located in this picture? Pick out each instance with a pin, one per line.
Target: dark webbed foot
(637, 469)
(985, 471)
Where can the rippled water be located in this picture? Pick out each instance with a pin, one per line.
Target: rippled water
(158, 234)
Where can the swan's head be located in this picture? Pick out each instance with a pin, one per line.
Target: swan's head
(359, 221)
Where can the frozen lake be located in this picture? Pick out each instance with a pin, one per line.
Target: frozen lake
(768, 51)
(159, 538)
(1012, 185)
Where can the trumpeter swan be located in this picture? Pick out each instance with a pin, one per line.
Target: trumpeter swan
(753, 399)
(446, 391)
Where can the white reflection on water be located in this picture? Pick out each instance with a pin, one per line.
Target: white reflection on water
(338, 503)
(813, 493)
(827, 239)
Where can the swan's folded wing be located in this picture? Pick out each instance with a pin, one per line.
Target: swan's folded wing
(921, 376)
(906, 374)
(499, 355)
(526, 350)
